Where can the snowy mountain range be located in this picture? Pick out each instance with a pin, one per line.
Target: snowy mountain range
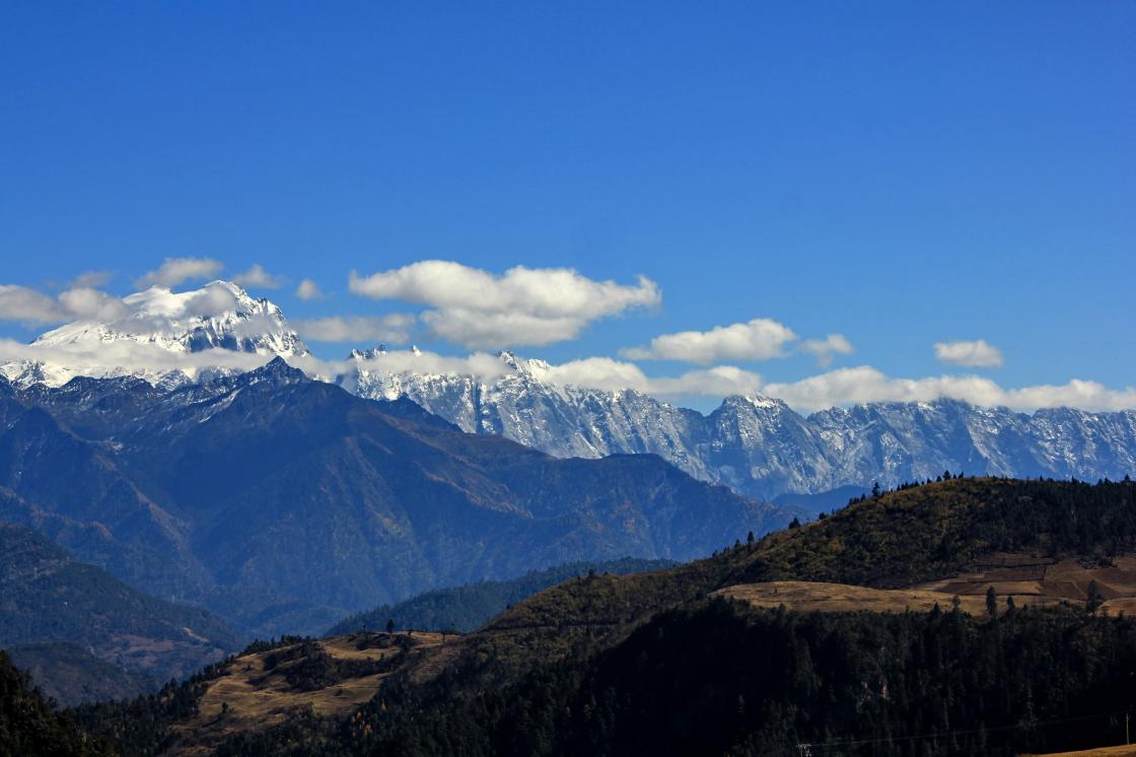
(756, 445)
(282, 503)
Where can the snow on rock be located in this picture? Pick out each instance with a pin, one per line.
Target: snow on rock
(756, 445)
(157, 321)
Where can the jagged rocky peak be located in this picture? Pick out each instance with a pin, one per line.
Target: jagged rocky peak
(531, 367)
(367, 354)
(754, 402)
(510, 359)
(276, 372)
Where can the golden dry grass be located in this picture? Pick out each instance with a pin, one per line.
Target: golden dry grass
(1030, 580)
(246, 697)
(1111, 751)
(1033, 580)
(810, 596)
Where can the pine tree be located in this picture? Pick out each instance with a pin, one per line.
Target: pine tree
(1095, 598)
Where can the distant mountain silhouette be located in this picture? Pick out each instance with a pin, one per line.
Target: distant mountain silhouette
(283, 503)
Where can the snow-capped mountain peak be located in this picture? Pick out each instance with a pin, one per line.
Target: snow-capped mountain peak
(218, 315)
(532, 368)
(755, 444)
(372, 353)
(146, 333)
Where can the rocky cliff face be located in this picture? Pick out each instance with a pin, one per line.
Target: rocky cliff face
(761, 447)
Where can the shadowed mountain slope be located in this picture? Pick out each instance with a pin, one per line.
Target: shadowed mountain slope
(285, 503)
(47, 597)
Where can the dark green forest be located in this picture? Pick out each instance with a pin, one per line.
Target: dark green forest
(722, 678)
(468, 607)
(29, 726)
(922, 532)
(647, 664)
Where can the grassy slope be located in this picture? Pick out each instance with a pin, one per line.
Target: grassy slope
(899, 539)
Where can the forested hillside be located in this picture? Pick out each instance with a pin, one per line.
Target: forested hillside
(649, 663)
(465, 608)
(29, 727)
(722, 678)
(86, 634)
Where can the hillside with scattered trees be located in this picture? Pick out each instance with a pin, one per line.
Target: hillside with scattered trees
(651, 663)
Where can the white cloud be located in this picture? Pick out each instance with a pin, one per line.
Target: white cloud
(866, 384)
(308, 290)
(523, 306)
(91, 304)
(209, 301)
(473, 328)
(759, 339)
(26, 305)
(256, 276)
(90, 358)
(719, 381)
(602, 373)
(974, 354)
(839, 387)
(393, 328)
(824, 349)
(613, 375)
(481, 365)
(596, 373)
(90, 280)
(844, 386)
(174, 271)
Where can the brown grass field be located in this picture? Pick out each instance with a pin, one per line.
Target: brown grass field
(247, 697)
(1034, 580)
(257, 700)
(808, 596)
(1030, 580)
(1111, 751)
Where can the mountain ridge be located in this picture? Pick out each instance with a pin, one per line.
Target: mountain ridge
(283, 503)
(757, 445)
(761, 447)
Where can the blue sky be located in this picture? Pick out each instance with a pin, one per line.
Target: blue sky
(897, 173)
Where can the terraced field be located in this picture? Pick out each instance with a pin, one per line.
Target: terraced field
(1034, 580)
(1030, 580)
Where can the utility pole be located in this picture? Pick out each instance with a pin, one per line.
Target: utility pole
(1127, 717)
